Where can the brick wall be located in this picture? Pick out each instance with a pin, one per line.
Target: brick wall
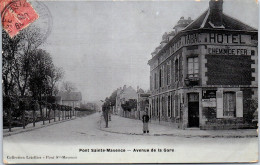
(229, 70)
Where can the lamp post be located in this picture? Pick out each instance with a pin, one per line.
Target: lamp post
(187, 81)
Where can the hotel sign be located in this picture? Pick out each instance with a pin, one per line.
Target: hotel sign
(214, 38)
(227, 51)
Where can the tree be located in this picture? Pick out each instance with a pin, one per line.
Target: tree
(10, 48)
(39, 76)
(129, 105)
(55, 75)
(32, 38)
(68, 86)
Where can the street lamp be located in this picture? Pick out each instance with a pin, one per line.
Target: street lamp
(187, 81)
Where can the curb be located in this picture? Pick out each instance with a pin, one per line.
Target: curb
(185, 136)
(34, 128)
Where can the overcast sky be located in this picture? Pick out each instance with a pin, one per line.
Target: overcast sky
(104, 45)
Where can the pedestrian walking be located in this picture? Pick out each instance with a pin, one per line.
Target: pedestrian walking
(145, 119)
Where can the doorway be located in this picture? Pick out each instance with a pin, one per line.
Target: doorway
(193, 110)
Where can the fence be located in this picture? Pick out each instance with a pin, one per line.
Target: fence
(22, 112)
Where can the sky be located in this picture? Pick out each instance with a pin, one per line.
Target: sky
(103, 45)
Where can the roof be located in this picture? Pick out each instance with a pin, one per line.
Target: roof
(70, 96)
(229, 23)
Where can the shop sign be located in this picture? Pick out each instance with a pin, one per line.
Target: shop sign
(227, 51)
(208, 94)
(209, 102)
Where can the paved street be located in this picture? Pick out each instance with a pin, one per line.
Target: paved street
(66, 139)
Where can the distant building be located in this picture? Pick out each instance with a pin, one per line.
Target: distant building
(142, 102)
(204, 72)
(72, 99)
(124, 94)
(91, 106)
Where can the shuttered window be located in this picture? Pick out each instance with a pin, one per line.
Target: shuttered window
(229, 107)
(219, 96)
(239, 104)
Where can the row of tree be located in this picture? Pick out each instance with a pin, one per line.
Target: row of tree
(27, 70)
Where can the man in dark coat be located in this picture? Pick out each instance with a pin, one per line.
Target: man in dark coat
(145, 119)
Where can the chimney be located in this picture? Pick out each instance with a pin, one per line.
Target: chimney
(216, 12)
(124, 87)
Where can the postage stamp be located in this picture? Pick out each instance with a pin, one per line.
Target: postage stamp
(16, 15)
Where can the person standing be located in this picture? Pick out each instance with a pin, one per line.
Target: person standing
(145, 119)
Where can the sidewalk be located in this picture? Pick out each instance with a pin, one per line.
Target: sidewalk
(128, 126)
(29, 127)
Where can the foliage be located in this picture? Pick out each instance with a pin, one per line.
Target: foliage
(27, 70)
(68, 86)
(129, 105)
(252, 105)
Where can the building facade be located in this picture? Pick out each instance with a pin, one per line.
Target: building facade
(72, 99)
(124, 94)
(204, 73)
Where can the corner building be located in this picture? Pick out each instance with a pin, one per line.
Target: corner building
(204, 73)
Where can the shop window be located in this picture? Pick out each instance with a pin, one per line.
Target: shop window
(229, 103)
(193, 67)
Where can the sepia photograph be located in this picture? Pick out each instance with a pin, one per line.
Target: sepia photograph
(127, 81)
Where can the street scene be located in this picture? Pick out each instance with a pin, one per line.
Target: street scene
(85, 133)
(130, 81)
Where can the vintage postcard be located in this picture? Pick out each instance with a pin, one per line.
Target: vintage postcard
(147, 81)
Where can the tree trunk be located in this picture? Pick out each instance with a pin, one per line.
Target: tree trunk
(59, 114)
(33, 117)
(9, 111)
(49, 114)
(54, 115)
(42, 116)
(23, 117)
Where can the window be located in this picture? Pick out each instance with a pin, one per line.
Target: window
(160, 78)
(153, 105)
(172, 105)
(168, 73)
(176, 70)
(193, 67)
(155, 81)
(169, 106)
(229, 102)
(157, 109)
(176, 106)
(162, 103)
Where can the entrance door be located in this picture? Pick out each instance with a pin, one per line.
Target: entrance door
(193, 110)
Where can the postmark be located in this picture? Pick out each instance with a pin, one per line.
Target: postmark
(17, 15)
(45, 21)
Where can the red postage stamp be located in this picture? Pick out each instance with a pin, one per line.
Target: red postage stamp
(16, 15)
